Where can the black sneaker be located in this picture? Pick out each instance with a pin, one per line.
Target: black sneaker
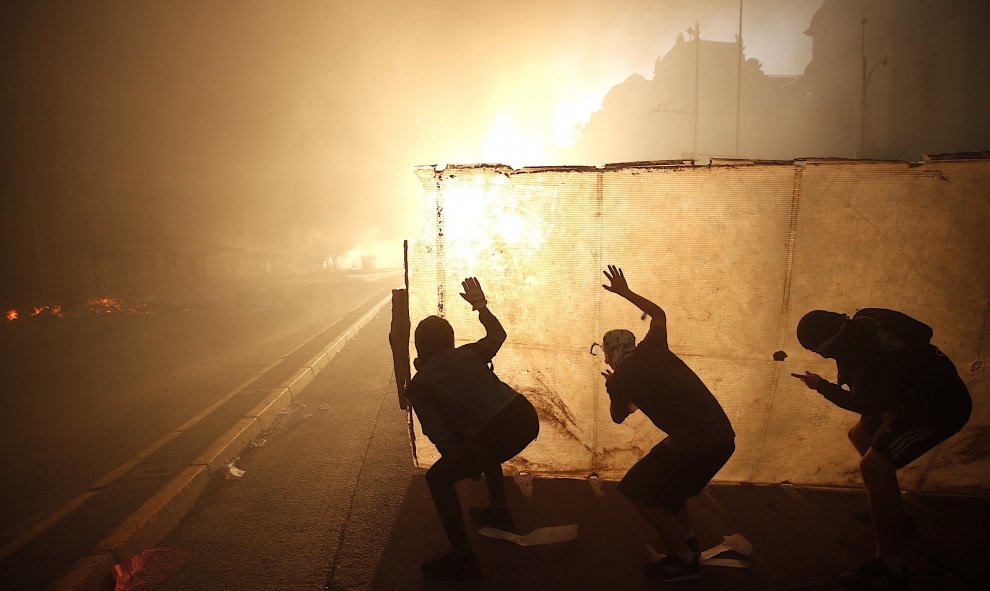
(673, 568)
(497, 517)
(453, 566)
(874, 576)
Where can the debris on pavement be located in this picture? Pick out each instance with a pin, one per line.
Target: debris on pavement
(524, 480)
(149, 569)
(538, 537)
(233, 471)
(596, 485)
(735, 543)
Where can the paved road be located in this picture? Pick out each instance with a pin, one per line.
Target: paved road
(334, 502)
(83, 395)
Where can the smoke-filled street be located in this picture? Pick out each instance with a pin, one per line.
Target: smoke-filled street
(85, 394)
(289, 289)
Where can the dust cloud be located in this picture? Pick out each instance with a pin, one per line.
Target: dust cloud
(293, 128)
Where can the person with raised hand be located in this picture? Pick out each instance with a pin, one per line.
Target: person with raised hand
(476, 422)
(650, 378)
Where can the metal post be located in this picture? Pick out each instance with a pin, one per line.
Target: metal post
(697, 82)
(862, 98)
(739, 66)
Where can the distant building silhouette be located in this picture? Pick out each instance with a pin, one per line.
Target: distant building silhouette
(689, 109)
(925, 82)
(930, 96)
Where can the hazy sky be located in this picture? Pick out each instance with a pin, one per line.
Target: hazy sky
(290, 122)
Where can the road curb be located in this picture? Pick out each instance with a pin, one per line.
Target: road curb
(162, 512)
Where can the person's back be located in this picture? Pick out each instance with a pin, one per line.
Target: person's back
(889, 363)
(461, 382)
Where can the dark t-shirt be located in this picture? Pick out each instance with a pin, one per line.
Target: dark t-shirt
(661, 385)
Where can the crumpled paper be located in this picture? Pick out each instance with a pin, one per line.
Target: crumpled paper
(537, 537)
(149, 569)
(734, 542)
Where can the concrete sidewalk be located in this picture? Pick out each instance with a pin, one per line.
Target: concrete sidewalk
(332, 501)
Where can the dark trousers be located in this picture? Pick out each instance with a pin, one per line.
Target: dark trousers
(512, 429)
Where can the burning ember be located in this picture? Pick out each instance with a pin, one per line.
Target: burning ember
(55, 310)
(104, 305)
(114, 306)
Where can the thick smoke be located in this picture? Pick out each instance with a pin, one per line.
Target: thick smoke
(294, 127)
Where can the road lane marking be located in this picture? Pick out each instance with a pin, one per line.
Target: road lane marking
(66, 509)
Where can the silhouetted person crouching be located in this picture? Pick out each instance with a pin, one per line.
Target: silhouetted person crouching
(475, 420)
(700, 439)
(911, 398)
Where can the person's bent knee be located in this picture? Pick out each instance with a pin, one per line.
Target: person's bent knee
(874, 467)
(859, 436)
(437, 475)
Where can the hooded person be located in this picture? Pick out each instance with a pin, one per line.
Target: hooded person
(476, 422)
(909, 397)
(648, 377)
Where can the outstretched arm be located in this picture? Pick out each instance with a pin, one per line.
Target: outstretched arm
(834, 393)
(495, 335)
(619, 286)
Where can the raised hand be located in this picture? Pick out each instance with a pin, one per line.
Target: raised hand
(616, 280)
(810, 380)
(473, 293)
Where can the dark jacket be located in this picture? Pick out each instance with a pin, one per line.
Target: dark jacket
(457, 392)
(887, 361)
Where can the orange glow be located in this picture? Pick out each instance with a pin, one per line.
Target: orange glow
(104, 305)
(36, 311)
(107, 305)
(513, 143)
(573, 107)
(54, 310)
(485, 218)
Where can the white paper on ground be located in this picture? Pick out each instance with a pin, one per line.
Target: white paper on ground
(734, 542)
(537, 537)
